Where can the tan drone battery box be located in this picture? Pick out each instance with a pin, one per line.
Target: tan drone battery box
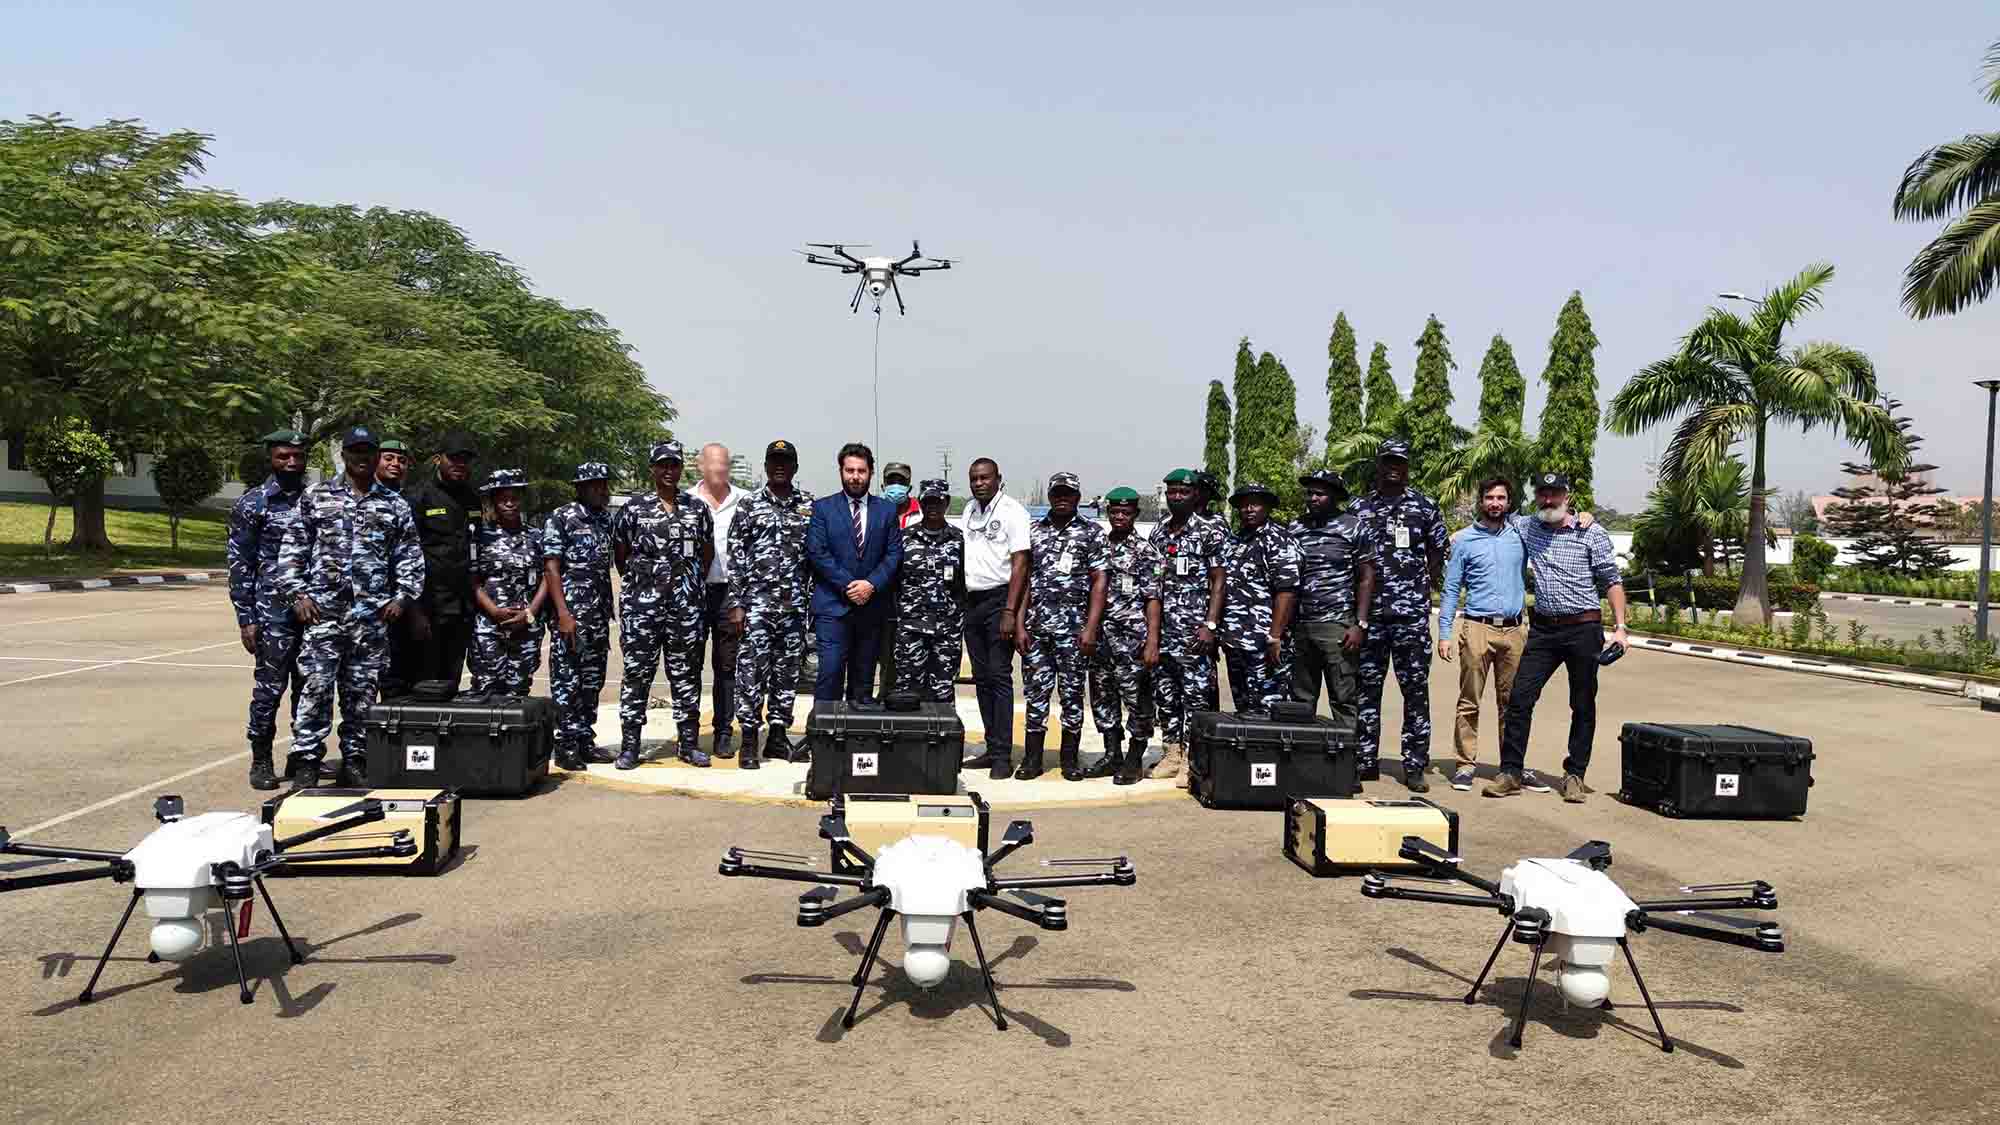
(874, 821)
(431, 816)
(1333, 836)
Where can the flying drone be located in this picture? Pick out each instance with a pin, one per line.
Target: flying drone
(878, 275)
(191, 866)
(933, 870)
(1571, 908)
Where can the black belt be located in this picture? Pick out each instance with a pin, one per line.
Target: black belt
(1494, 622)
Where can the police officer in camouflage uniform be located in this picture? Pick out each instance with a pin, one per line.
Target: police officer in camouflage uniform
(1190, 616)
(264, 619)
(930, 600)
(770, 592)
(508, 590)
(1336, 562)
(664, 540)
(576, 567)
(1409, 536)
(1260, 564)
(350, 566)
(1058, 638)
(1121, 676)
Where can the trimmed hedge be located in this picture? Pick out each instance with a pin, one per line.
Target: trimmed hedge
(1951, 587)
(1720, 592)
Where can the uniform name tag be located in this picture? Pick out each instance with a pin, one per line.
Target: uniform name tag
(1402, 538)
(437, 511)
(950, 573)
(687, 548)
(1182, 568)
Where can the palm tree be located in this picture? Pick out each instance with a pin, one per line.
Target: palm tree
(1961, 265)
(1687, 520)
(1497, 449)
(1732, 378)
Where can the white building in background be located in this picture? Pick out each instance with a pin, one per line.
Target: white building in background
(130, 487)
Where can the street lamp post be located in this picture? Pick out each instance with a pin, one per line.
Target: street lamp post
(1986, 517)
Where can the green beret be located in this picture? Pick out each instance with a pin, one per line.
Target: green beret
(284, 437)
(393, 445)
(1181, 476)
(1121, 496)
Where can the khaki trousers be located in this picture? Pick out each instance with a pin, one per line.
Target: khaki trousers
(1483, 647)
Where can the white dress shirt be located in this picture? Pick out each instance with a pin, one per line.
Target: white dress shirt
(992, 535)
(725, 514)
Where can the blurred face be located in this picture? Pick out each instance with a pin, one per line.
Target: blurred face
(1319, 501)
(778, 472)
(666, 475)
(1181, 499)
(361, 461)
(1062, 502)
(985, 481)
(1551, 504)
(715, 467)
(1494, 502)
(288, 459)
(507, 506)
(1392, 472)
(392, 468)
(456, 468)
(1254, 511)
(594, 493)
(1122, 516)
(855, 473)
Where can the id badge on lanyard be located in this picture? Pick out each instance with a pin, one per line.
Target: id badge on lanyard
(1401, 532)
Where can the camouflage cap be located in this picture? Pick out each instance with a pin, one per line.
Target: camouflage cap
(896, 469)
(1251, 488)
(394, 445)
(1393, 447)
(1181, 476)
(358, 436)
(590, 471)
(1121, 495)
(1065, 480)
(504, 478)
(283, 437)
(934, 490)
(668, 450)
(1325, 478)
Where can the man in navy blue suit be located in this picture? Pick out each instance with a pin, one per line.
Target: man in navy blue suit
(855, 543)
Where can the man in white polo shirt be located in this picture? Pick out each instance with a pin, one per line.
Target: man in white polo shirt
(721, 496)
(996, 580)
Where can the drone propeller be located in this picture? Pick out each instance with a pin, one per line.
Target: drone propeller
(840, 245)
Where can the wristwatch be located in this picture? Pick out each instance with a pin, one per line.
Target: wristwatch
(1210, 626)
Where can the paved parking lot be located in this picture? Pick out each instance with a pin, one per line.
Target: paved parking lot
(585, 961)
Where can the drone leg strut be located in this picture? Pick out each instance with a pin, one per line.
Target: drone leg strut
(985, 972)
(1666, 1044)
(1527, 990)
(242, 982)
(297, 957)
(867, 964)
(1473, 993)
(84, 997)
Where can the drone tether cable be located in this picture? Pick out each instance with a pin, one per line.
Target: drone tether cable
(878, 378)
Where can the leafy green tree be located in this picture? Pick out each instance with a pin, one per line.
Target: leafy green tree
(1215, 446)
(1731, 379)
(1812, 557)
(1568, 433)
(1343, 382)
(1385, 403)
(1696, 520)
(185, 476)
(1957, 178)
(1496, 450)
(1433, 435)
(1276, 442)
(1885, 521)
(1245, 398)
(130, 299)
(1503, 393)
(70, 459)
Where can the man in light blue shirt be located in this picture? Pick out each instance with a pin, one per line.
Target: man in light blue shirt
(1484, 577)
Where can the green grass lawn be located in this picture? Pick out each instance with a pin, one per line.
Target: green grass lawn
(141, 539)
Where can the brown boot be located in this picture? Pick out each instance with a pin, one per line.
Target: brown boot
(1171, 765)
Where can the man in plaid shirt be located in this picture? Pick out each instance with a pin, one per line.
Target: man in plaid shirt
(1574, 568)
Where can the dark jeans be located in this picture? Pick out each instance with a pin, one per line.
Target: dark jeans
(412, 661)
(1319, 655)
(1550, 647)
(724, 642)
(847, 651)
(992, 665)
(886, 662)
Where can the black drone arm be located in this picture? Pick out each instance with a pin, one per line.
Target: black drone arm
(733, 864)
(1121, 873)
(11, 846)
(915, 253)
(400, 846)
(1767, 938)
(370, 812)
(119, 872)
(1442, 864)
(1048, 913)
(816, 907)
(1376, 884)
(834, 829)
(1762, 896)
(1019, 835)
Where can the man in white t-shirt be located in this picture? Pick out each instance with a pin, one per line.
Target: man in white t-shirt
(721, 497)
(996, 580)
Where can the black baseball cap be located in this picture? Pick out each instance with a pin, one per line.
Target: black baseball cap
(359, 436)
(1552, 480)
(458, 441)
(781, 450)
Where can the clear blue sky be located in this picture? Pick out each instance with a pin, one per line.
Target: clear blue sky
(1131, 191)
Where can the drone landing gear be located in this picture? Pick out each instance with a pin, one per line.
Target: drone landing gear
(1538, 938)
(243, 993)
(867, 964)
(291, 946)
(1666, 1043)
(985, 972)
(87, 995)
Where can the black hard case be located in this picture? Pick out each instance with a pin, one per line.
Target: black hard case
(880, 751)
(1255, 762)
(480, 745)
(1714, 771)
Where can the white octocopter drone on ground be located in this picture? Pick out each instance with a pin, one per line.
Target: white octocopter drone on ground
(878, 275)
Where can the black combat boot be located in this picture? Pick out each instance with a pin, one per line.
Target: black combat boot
(690, 747)
(628, 747)
(301, 771)
(353, 772)
(1071, 746)
(749, 760)
(1114, 742)
(262, 775)
(1130, 769)
(566, 757)
(1031, 757)
(725, 742)
(776, 746)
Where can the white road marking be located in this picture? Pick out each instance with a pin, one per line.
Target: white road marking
(139, 660)
(149, 787)
(86, 616)
(116, 663)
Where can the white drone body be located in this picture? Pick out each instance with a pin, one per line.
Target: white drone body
(877, 275)
(175, 868)
(928, 879)
(1587, 915)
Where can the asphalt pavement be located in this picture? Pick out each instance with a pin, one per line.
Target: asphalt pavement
(584, 961)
